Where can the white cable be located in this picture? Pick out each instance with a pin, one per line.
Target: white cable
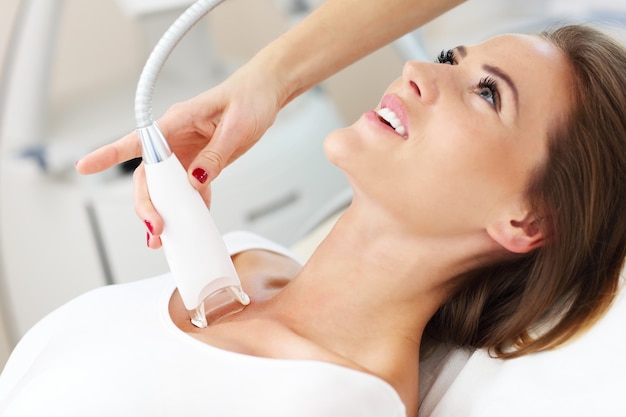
(160, 53)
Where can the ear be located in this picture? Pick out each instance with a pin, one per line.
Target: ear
(517, 235)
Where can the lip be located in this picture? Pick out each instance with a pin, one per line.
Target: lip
(393, 103)
(372, 117)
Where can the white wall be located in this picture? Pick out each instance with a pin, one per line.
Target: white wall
(8, 10)
(5, 347)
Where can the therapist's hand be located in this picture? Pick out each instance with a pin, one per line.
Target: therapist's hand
(206, 133)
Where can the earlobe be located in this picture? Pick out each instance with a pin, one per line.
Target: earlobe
(517, 236)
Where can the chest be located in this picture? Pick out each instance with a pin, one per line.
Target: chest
(102, 376)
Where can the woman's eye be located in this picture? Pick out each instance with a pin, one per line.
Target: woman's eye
(487, 87)
(446, 57)
(488, 90)
(487, 94)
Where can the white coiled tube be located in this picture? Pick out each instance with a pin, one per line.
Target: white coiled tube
(160, 53)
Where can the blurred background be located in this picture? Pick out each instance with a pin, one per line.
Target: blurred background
(68, 73)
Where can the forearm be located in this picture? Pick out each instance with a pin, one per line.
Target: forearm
(339, 33)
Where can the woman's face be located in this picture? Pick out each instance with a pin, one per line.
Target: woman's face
(467, 134)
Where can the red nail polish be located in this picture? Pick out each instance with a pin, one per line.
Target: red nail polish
(149, 226)
(200, 174)
(148, 239)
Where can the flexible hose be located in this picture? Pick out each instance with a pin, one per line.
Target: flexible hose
(160, 53)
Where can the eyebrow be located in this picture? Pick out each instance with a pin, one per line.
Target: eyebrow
(495, 71)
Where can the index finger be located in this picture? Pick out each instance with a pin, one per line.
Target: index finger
(122, 150)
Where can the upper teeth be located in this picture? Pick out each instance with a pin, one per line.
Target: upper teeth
(390, 117)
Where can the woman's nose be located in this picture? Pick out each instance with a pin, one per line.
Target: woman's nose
(423, 79)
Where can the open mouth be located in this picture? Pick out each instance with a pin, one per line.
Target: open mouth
(388, 117)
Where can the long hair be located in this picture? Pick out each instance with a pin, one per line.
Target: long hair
(539, 300)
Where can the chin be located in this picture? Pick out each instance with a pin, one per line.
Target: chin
(340, 146)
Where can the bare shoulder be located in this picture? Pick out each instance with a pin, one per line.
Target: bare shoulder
(254, 334)
(264, 273)
(270, 339)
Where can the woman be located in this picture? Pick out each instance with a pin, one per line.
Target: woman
(489, 192)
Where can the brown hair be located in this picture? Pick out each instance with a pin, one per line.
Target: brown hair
(539, 300)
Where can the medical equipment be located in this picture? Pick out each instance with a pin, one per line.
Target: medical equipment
(198, 259)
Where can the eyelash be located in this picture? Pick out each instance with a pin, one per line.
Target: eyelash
(446, 57)
(449, 57)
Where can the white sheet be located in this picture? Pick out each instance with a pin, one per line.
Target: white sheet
(586, 377)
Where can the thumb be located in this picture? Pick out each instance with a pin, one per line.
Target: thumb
(233, 136)
(207, 165)
(229, 140)
(210, 162)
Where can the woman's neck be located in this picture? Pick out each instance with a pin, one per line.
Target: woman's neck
(368, 291)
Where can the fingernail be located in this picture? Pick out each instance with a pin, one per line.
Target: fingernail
(148, 239)
(200, 174)
(149, 226)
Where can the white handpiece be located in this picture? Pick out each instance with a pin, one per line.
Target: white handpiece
(203, 271)
(194, 248)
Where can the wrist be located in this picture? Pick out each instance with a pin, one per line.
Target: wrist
(283, 67)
